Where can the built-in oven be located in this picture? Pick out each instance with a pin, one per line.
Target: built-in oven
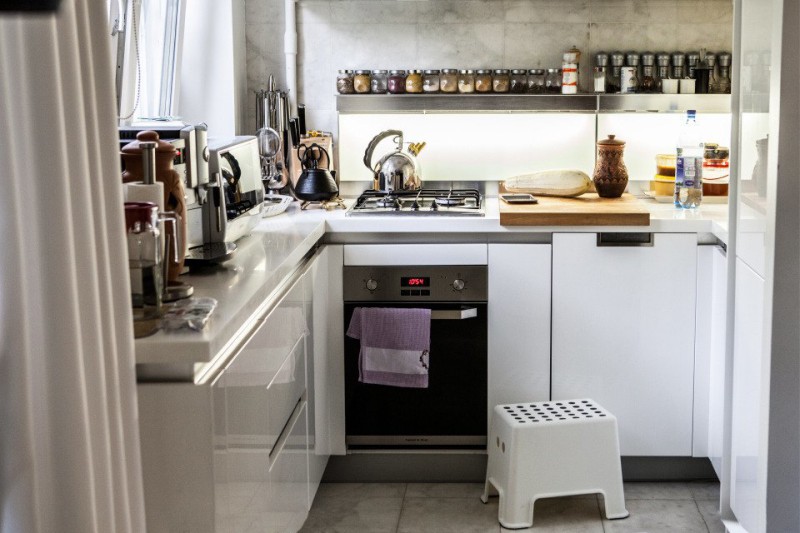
(451, 411)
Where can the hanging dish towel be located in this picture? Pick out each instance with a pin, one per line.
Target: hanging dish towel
(394, 345)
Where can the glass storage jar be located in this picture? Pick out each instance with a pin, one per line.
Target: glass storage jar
(501, 80)
(414, 81)
(536, 81)
(344, 82)
(448, 81)
(396, 84)
(552, 81)
(431, 81)
(519, 81)
(466, 81)
(483, 81)
(378, 85)
(361, 81)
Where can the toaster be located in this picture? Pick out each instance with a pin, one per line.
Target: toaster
(235, 195)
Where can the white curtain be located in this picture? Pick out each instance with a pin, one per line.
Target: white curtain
(69, 439)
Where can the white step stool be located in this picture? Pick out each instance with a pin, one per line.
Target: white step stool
(547, 449)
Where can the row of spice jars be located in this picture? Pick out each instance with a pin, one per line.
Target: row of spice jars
(450, 80)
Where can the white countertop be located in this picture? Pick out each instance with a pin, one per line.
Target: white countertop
(277, 245)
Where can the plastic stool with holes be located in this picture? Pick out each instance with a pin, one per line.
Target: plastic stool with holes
(548, 449)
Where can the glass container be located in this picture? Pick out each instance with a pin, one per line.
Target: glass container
(414, 81)
(362, 81)
(552, 81)
(466, 81)
(483, 81)
(431, 81)
(449, 80)
(692, 62)
(378, 85)
(613, 83)
(519, 81)
(662, 72)
(724, 79)
(501, 80)
(678, 60)
(716, 170)
(344, 82)
(396, 84)
(536, 81)
(599, 76)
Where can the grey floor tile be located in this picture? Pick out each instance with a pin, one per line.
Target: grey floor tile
(709, 509)
(352, 515)
(704, 490)
(658, 516)
(444, 490)
(565, 515)
(357, 491)
(448, 515)
(671, 490)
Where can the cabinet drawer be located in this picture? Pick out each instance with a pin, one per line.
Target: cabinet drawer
(284, 391)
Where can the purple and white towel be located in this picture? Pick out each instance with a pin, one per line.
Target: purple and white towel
(395, 345)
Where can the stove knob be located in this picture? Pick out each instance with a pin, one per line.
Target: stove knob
(458, 285)
(372, 285)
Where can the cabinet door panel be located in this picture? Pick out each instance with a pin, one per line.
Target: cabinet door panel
(519, 323)
(623, 335)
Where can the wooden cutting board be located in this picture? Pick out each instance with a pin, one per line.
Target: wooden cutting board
(585, 210)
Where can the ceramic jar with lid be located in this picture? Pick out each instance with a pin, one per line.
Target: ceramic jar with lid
(431, 81)
(466, 81)
(361, 81)
(501, 80)
(378, 84)
(414, 81)
(396, 84)
(483, 81)
(610, 173)
(344, 82)
(449, 80)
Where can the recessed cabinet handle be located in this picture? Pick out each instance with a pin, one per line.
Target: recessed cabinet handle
(629, 239)
(454, 314)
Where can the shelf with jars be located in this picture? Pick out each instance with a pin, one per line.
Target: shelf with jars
(511, 103)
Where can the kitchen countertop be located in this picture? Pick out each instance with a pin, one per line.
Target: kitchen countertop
(277, 245)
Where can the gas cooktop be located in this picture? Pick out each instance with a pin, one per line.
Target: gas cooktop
(422, 202)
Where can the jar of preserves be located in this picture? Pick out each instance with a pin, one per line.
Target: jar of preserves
(552, 81)
(431, 81)
(483, 81)
(519, 81)
(501, 80)
(466, 81)
(344, 82)
(396, 84)
(536, 81)
(378, 85)
(361, 81)
(414, 81)
(448, 81)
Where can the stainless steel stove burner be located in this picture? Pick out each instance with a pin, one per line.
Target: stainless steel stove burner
(421, 202)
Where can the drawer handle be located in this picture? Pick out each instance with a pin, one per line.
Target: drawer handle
(630, 239)
(454, 314)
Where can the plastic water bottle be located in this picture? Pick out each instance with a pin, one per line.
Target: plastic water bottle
(689, 165)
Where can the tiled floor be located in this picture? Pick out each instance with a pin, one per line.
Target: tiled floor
(456, 507)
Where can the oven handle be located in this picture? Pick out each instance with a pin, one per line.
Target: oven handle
(454, 314)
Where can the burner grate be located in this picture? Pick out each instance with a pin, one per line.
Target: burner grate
(458, 202)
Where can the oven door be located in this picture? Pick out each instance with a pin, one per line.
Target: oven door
(450, 413)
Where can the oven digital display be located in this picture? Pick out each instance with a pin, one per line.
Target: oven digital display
(415, 282)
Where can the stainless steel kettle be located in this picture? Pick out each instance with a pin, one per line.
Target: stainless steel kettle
(397, 170)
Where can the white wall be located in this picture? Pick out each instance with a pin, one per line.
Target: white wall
(212, 77)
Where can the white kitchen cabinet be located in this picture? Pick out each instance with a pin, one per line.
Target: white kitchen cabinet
(325, 347)
(709, 377)
(519, 323)
(623, 333)
(746, 419)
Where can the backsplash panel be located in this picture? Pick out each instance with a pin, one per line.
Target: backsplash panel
(336, 34)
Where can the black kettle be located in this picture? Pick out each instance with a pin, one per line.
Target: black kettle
(315, 184)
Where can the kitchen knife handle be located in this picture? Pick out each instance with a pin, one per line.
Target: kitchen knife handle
(301, 118)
